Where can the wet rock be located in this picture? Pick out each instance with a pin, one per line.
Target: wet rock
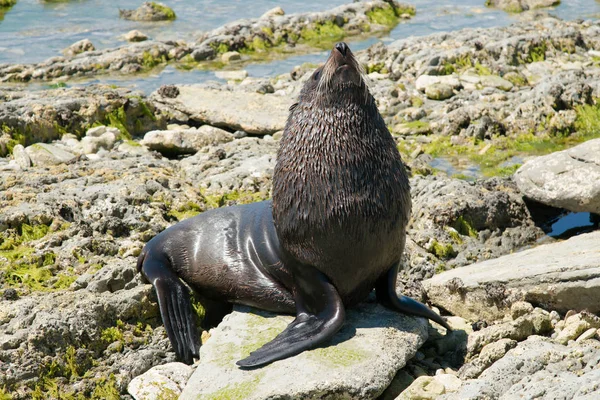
(46, 154)
(359, 363)
(248, 111)
(559, 276)
(149, 11)
(566, 179)
(161, 382)
(455, 222)
(79, 47)
(185, 141)
(517, 6)
(135, 36)
(539, 368)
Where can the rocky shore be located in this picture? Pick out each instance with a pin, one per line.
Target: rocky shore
(89, 174)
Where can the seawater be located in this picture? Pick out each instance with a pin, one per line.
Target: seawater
(34, 30)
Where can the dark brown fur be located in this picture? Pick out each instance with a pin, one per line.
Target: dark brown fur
(341, 197)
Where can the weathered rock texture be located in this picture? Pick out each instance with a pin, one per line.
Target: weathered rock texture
(558, 276)
(538, 368)
(517, 6)
(566, 179)
(360, 362)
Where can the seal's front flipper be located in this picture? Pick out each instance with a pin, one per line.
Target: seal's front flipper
(175, 308)
(319, 315)
(385, 289)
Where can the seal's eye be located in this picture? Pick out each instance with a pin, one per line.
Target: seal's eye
(317, 75)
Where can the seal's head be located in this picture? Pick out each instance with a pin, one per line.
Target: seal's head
(340, 78)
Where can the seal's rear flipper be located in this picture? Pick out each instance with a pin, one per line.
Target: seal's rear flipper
(319, 315)
(175, 308)
(385, 289)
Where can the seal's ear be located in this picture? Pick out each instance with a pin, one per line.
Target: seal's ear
(293, 107)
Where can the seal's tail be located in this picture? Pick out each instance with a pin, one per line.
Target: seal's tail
(174, 304)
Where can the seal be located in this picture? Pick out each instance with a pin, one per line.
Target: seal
(335, 229)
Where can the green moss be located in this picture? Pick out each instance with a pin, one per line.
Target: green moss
(149, 61)
(386, 16)
(166, 11)
(235, 197)
(111, 334)
(219, 48)
(416, 101)
(57, 85)
(235, 391)
(322, 35)
(516, 79)
(167, 394)
(340, 355)
(537, 53)
(463, 62)
(453, 233)
(7, 3)
(464, 227)
(118, 119)
(106, 389)
(442, 251)
(4, 394)
(482, 70)
(188, 210)
(447, 69)
(35, 232)
(587, 122)
(379, 67)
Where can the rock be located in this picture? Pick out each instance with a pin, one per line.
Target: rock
(96, 131)
(439, 91)
(92, 143)
(161, 382)
(450, 382)
(135, 36)
(496, 82)
(230, 56)
(79, 47)
(47, 154)
(372, 346)
(21, 157)
(273, 12)
(520, 308)
(517, 6)
(566, 179)
(185, 141)
(424, 81)
(589, 334)
(232, 75)
(454, 223)
(149, 11)
(490, 353)
(425, 388)
(538, 368)
(559, 276)
(250, 112)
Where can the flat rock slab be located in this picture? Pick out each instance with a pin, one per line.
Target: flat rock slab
(539, 369)
(567, 179)
(558, 276)
(237, 110)
(359, 364)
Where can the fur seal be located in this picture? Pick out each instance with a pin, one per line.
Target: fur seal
(334, 230)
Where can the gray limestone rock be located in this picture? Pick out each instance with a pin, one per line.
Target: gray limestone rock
(248, 111)
(185, 141)
(559, 276)
(149, 11)
(566, 179)
(359, 363)
(46, 154)
(516, 6)
(538, 368)
(21, 157)
(79, 47)
(161, 382)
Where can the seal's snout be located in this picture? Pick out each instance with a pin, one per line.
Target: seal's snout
(342, 47)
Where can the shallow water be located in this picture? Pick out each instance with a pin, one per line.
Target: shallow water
(33, 30)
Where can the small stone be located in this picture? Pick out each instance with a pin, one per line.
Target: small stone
(135, 36)
(589, 334)
(230, 56)
(149, 11)
(495, 351)
(439, 91)
(79, 47)
(416, 152)
(496, 82)
(10, 294)
(273, 12)
(160, 382)
(96, 131)
(47, 154)
(21, 157)
(239, 134)
(572, 331)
